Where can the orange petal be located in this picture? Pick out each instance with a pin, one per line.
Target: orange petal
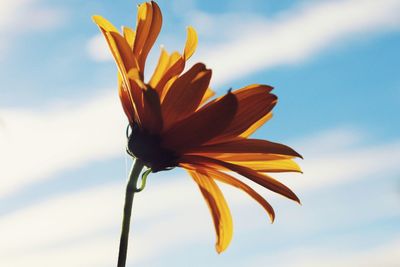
(202, 125)
(254, 102)
(152, 118)
(259, 178)
(176, 66)
(246, 146)
(225, 178)
(127, 104)
(185, 94)
(155, 28)
(243, 156)
(218, 207)
(125, 52)
(143, 25)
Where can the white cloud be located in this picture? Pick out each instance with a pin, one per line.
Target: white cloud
(85, 224)
(18, 17)
(36, 144)
(293, 36)
(98, 49)
(384, 255)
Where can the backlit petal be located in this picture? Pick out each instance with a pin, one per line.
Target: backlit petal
(161, 67)
(218, 207)
(104, 24)
(226, 178)
(152, 118)
(256, 125)
(202, 125)
(246, 146)
(155, 28)
(185, 94)
(254, 103)
(209, 93)
(129, 35)
(259, 178)
(191, 43)
(283, 165)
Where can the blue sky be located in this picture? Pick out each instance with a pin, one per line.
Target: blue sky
(334, 66)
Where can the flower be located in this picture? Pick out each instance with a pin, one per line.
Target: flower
(173, 125)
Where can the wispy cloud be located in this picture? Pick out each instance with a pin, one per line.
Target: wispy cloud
(57, 138)
(295, 35)
(19, 17)
(72, 229)
(383, 255)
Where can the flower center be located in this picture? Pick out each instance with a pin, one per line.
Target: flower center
(147, 147)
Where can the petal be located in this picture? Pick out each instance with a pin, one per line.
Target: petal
(143, 25)
(246, 146)
(226, 178)
(256, 125)
(127, 105)
(191, 43)
(129, 35)
(243, 156)
(218, 207)
(125, 52)
(125, 61)
(254, 102)
(104, 24)
(185, 94)
(283, 165)
(155, 28)
(162, 65)
(259, 178)
(176, 66)
(152, 118)
(209, 93)
(202, 125)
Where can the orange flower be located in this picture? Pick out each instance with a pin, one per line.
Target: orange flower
(173, 125)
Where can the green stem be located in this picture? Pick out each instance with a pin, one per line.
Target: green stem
(130, 192)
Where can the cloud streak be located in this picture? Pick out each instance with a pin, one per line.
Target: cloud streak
(72, 229)
(293, 36)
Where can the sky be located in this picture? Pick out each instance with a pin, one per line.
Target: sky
(334, 65)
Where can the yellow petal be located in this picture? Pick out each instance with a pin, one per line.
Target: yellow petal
(256, 125)
(218, 207)
(104, 24)
(209, 93)
(191, 43)
(226, 178)
(284, 165)
(129, 35)
(163, 62)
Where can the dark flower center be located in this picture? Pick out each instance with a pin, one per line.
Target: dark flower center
(147, 147)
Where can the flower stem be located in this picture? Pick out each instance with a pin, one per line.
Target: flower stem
(130, 192)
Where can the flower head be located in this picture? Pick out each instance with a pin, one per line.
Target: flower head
(174, 125)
